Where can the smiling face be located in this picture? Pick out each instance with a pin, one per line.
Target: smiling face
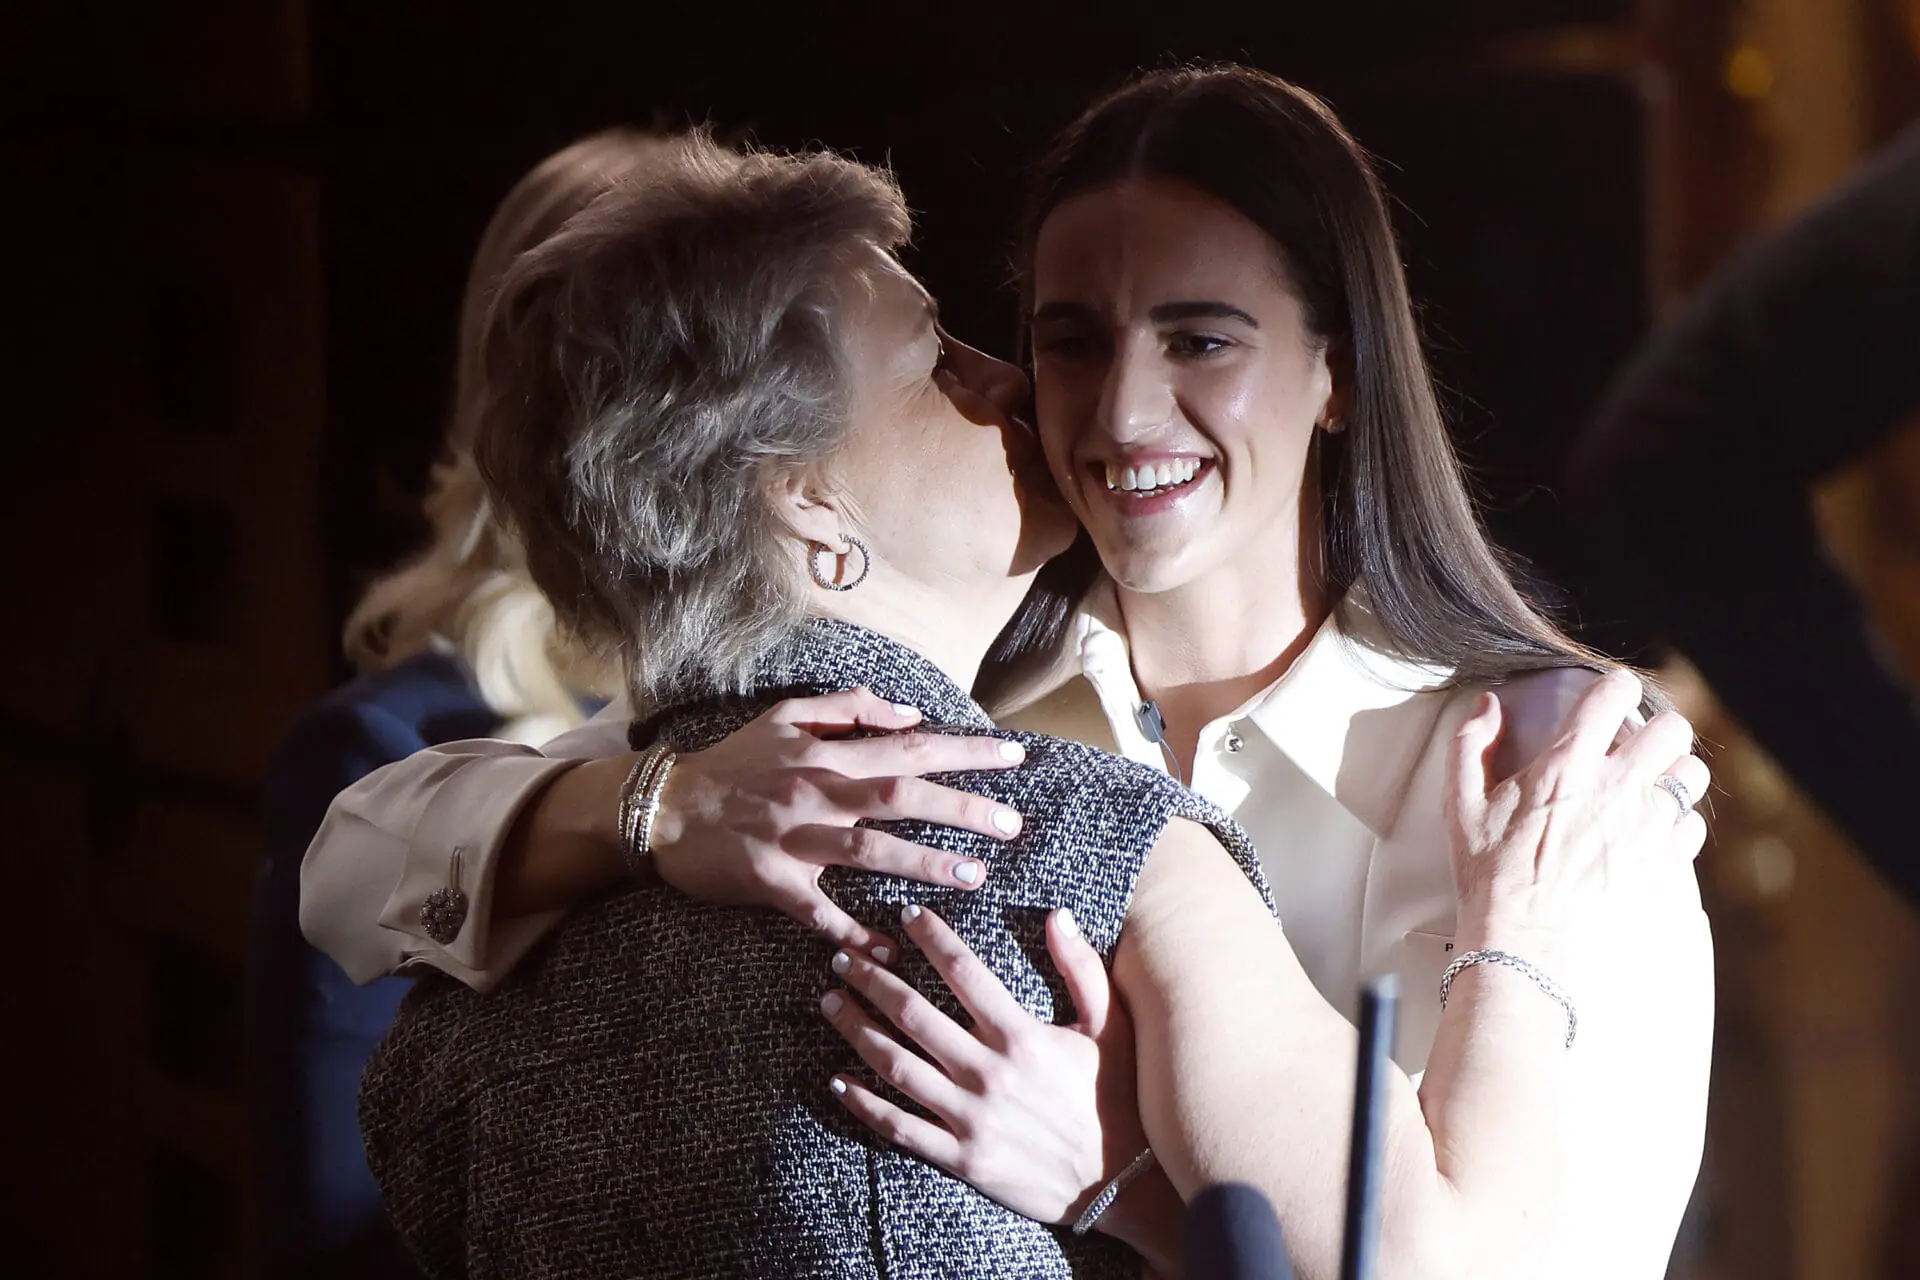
(938, 473)
(1177, 382)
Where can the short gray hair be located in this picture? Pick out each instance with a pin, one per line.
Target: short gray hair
(656, 367)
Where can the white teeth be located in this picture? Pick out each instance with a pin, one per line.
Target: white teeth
(1152, 476)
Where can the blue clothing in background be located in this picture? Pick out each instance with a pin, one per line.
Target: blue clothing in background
(310, 1030)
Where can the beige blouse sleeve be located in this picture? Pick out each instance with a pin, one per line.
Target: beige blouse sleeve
(435, 822)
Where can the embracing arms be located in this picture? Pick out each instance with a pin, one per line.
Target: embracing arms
(524, 834)
(1246, 1076)
(437, 819)
(1245, 1072)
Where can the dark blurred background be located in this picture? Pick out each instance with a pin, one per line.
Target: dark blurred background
(236, 236)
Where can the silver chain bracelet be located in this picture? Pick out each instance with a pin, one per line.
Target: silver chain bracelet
(1511, 961)
(1111, 1192)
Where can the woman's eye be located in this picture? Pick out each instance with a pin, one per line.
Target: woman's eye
(1196, 344)
(1065, 346)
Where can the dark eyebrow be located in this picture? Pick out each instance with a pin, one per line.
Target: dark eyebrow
(1078, 311)
(1165, 313)
(1168, 312)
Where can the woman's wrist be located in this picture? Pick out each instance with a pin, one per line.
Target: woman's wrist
(565, 845)
(1517, 974)
(1485, 925)
(1146, 1217)
(676, 814)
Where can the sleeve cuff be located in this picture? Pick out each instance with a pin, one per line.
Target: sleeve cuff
(456, 847)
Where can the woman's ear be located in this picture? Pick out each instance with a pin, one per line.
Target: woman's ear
(1337, 359)
(805, 505)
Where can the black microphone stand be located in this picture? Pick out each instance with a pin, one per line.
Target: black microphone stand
(1379, 1000)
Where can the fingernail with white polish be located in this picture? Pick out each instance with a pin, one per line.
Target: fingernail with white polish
(1012, 752)
(1006, 822)
(910, 913)
(837, 1085)
(966, 872)
(830, 1003)
(883, 954)
(842, 962)
(905, 709)
(1068, 925)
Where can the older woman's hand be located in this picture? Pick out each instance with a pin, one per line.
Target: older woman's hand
(752, 820)
(1534, 851)
(1036, 1116)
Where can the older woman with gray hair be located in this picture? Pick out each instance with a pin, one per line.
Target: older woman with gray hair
(747, 460)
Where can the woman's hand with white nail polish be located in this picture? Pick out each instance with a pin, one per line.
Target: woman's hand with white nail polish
(1037, 1116)
(754, 819)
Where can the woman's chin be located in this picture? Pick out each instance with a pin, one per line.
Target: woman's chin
(1146, 570)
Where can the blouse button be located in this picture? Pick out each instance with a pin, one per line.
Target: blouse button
(1234, 742)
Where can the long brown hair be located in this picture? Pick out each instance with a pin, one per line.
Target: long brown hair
(1396, 515)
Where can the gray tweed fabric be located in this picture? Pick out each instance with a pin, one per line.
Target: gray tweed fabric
(647, 1095)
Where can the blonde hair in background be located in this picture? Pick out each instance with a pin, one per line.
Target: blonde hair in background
(470, 591)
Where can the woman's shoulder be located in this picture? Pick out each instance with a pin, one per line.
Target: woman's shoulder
(1533, 707)
(1099, 773)
(1069, 768)
(1106, 802)
(1545, 691)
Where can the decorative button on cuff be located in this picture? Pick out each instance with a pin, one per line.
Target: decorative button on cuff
(442, 914)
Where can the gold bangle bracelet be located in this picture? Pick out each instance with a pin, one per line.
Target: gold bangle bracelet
(639, 805)
(651, 797)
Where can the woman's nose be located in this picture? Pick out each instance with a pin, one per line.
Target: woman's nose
(1134, 398)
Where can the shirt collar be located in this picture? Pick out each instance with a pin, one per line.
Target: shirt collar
(1351, 715)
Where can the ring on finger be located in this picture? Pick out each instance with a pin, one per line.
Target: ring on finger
(1678, 790)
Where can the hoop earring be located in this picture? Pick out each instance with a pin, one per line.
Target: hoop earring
(820, 579)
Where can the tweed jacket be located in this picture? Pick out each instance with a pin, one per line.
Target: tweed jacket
(647, 1096)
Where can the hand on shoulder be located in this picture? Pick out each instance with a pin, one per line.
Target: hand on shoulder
(1534, 708)
(1589, 817)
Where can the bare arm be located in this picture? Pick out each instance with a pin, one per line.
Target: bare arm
(1245, 1071)
(1641, 970)
(1244, 1075)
